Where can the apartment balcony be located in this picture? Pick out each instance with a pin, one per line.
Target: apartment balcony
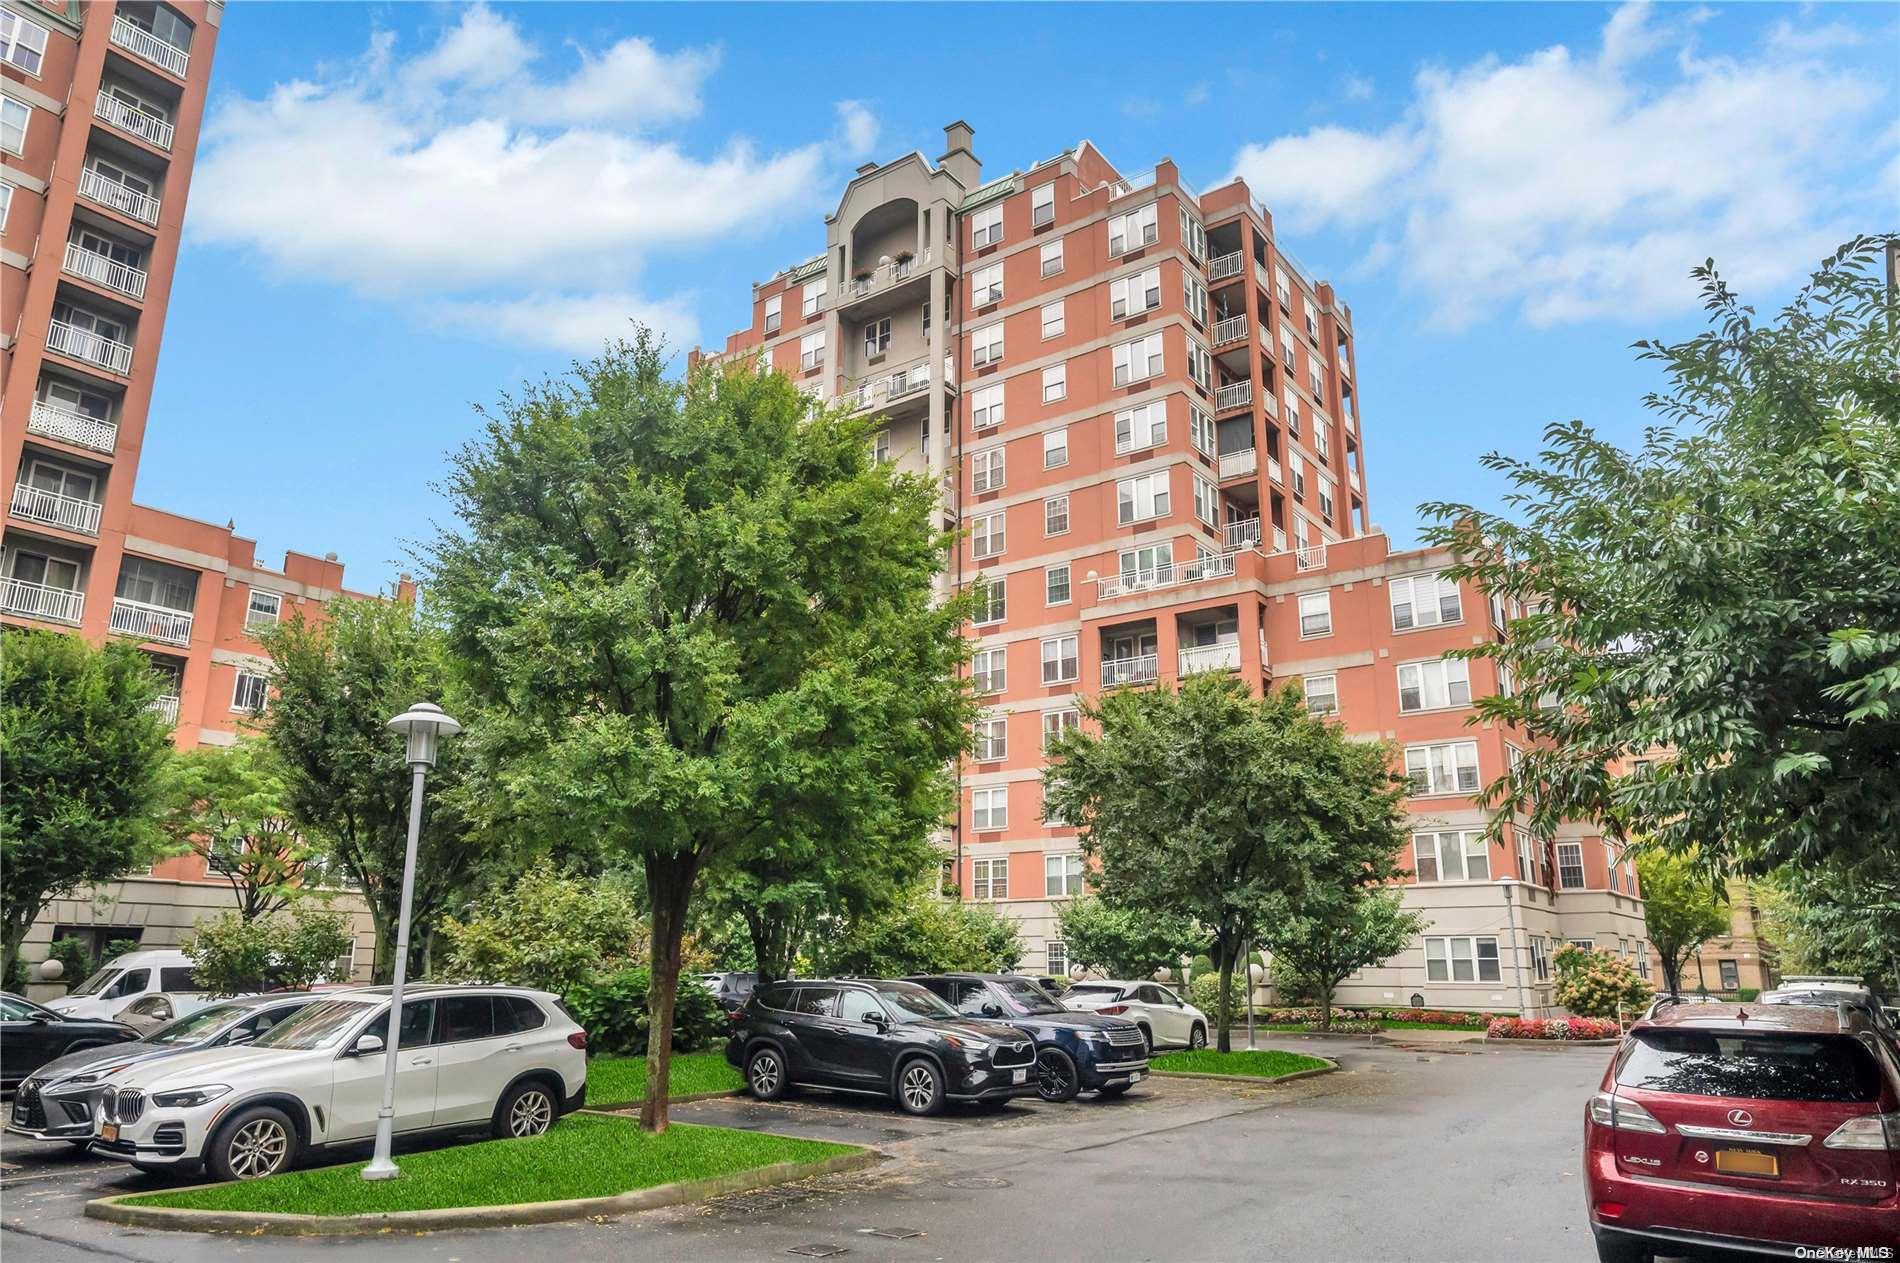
(890, 388)
(1229, 398)
(885, 276)
(1243, 534)
(88, 347)
(1241, 464)
(53, 509)
(1311, 557)
(101, 270)
(1274, 471)
(1279, 540)
(153, 131)
(1227, 265)
(52, 422)
(1170, 575)
(1352, 479)
(1143, 670)
(151, 622)
(119, 197)
(141, 43)
(36, 600)
(165, 706)
(1221, 657)
(1232, 329)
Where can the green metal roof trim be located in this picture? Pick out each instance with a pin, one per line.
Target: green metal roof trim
(990, 192)
(73, 19)
(804, 270)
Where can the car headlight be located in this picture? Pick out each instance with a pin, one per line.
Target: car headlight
(965, 1043)
(185, 1098)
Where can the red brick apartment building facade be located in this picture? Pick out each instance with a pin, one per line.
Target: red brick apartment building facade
(1145, 417)
(102, 104)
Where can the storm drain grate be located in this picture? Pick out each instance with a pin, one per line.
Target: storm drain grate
(819, 1250)
(893, 1234)
(977, 1181)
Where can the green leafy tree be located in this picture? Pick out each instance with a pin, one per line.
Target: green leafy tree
(232, 806)
(700, 617)
(82, 750)
(338, 683)
(1341, 930)
(1839, 920)
(231, 955)
(545, 929)
(1594, 983)
(921, 933)
(1726, 592)
(1124, 942)
(1233, 811)
(1684, 906)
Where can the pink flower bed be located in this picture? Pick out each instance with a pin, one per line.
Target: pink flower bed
(1553, 1028)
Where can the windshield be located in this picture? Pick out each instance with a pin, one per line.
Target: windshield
(98, 982)
(911, 1002)
(1085, 990)
(1765, 1067)
(318, 1026)
(191, 1029)
(1026, 997)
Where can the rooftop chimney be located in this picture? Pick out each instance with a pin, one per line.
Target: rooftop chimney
(867, 168)
(957, 158)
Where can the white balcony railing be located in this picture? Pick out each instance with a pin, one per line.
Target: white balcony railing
(53, 422)
(146, 127)
(1238, 395)
(141, 42)
(1243, 534)
(166, 705)
(1225, 266)
(1275, 472)
(1279, 540)
(68, 512)
(1239, 464)
(151, 622)
(1311, 557)
(1352, 479)
(886, 274)
(104, 270)
(82, 344)
(1232, 329)
(1167, 575)
(36, 600)
(1142, 670)
(888, 389)
(1221, 657)
(123, 198)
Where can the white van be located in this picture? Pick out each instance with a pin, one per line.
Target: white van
(124, 979)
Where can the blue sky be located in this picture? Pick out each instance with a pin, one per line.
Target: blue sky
(401, 211)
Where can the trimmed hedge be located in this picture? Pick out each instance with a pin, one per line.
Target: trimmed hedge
(613, 1009)
(1553, 1028)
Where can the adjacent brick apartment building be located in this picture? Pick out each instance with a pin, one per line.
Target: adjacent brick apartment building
(100, 115)
(1145, 417)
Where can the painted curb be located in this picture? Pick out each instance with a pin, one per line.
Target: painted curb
(1253, 1080)
(116, 1210)
(1552, 1045)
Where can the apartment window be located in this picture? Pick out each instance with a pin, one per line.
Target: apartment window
(1449, 767)
(1134, 230)
(14, 117)
(1461, 959)
(1056, 953)
(989, 879)
(1315, 385)
(1312, 327)
(6, 201)
(1055, 383)
(1200, 365)
(877, 337)
(1292, 413)
(1193, 235)
(1281, 289)
(252, 693)
(924, 317)
(1326, 486)
(1434, 685)
(986, 285)
(992, 739)
(22, 43)
(1642, 959)
(1132, 295)
(71, 398)
(1322, 693)
(814, 296)
(1061, 876)
(986, 407)
(1286, 348)
(1316, 614)
(774, 311)
(1206, 501)
(1296, 465)
(986, 227)
(989, 670)
(881, 447)
(1454, 855)
(155, 583)
(1570, 865)
(1540, 958)
(1059, 660)
(1042, 204)
(986, 470)
(1586, 944)
(1195, 295)
(1731, 975)
(1201, 431)
(1055, 515)
(1138, 360)
(811, 350)
(1139, 499)
(989, 809)
(1424, 600)
(987, 345)
(1322, 442)
(1142, 427)
(1055, 447)
(986, 535)
(265, 607)
(1055, 584)
(1057, 723)
(992, 600)
(1054, 320)
(1052, 258)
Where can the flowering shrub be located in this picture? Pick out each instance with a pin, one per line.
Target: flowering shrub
(1348, 1026)
(1597, 983)
(1552, 1028)
(1438, 1017)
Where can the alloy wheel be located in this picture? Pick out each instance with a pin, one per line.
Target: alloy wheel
(765, 1074)
(258, 1149)
(531, 1114)
(1053, 1080)
(920, 1087)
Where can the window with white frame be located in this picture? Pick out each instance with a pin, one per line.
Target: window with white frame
(1449, 767)
(986, 535)
(1051, 256)
(1051, 814)
(1140, 499)
(1315, 384)
(924, 315)
(1055, 383)
(1200, 365)
(1142, 565)
(1322, 443)
(986, 226)
(986, 470)
(989, 670)
(1193, 235)
(1301, 535)
(813, 296)
(1570, 866)
(1610, 867)
(1312, 326)
(991, 599)
(765, 360)
(986, 407)
(1316, 614)
(881, 446)
(989, 808)
(1461, 959)
(1055, 955)
(1059, 659)
(1326, 487)
(986, 285)
(1282, 290)
(1133, 230)
(1322, 693)
(1055, 515)
(811, 350)
(1642, 959)
(1540, 958)
(1132, 295)
(1206, 501)
(22, 43)
(1291, 413)
(1201, 431)
(1054, 320)
(1141, 427)
(992, 738)
(1138, 360)
(1056, 723)
(1286, 348)
(1055, 584)
(986, 345)
(252, 692)
(774, 313)
(6, 201)
(877, 337)
(1042, 204)
(1061, 876)
(15, 116)
(264, 607)
(1055, 447)
(1434, 685)
(1451, 855)
(1194, 294)
(989, 879)
(1424, 600)
(1296, 466)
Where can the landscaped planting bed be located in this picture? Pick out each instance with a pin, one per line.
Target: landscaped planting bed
(1553, 1028)
(614, 1081)
(1246, 1063)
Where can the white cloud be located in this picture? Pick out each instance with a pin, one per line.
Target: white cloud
(1357, 87)
(1575, 187)
(574, 323)
(857, 129)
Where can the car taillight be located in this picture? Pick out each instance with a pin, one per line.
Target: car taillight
(1610, 1110)
(1875, 1131)
(1113, 1009)
(577, 1039)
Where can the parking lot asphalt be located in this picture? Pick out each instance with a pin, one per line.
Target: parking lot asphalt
(1433, 1152)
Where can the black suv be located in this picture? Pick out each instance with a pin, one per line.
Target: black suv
(1075, 1052)
(890, 1039)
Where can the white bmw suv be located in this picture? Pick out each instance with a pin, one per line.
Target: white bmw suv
(503, 1059)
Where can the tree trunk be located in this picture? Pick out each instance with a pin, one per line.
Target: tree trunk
(16, 931)
(669, 894)
(382, 965)
(1672, 972)
(1224, 1006)
(1326, 984)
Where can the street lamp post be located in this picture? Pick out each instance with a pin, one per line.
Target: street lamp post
(424, 724)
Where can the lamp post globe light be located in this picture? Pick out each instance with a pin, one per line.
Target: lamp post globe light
(424, 725)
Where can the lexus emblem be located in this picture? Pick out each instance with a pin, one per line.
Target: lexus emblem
(1741, 1118)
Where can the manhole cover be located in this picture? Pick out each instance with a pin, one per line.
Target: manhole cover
(818, 1250)
(893, 1234)
(977, 1181)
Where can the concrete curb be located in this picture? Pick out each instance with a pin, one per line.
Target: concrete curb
(624, 1108)
(1553, 1045)
(1253, 1079)
(254, 1223)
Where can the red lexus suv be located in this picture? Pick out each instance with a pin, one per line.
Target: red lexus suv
(1761, 1128)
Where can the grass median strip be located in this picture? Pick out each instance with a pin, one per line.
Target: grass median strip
(585, 1155)
(615, 1081)
(1247, 1063)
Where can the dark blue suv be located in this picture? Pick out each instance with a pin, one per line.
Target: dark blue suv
(1075, 1052)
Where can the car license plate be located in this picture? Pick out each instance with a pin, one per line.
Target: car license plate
(109, 1132)
(1747, 1162)
(1021, 1076)
(1135, 1077)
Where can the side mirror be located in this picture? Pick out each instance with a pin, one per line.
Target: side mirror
(366, 1045)
(245, 1037)
(42, 1018)
(992, 1009)
(877, 1019)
